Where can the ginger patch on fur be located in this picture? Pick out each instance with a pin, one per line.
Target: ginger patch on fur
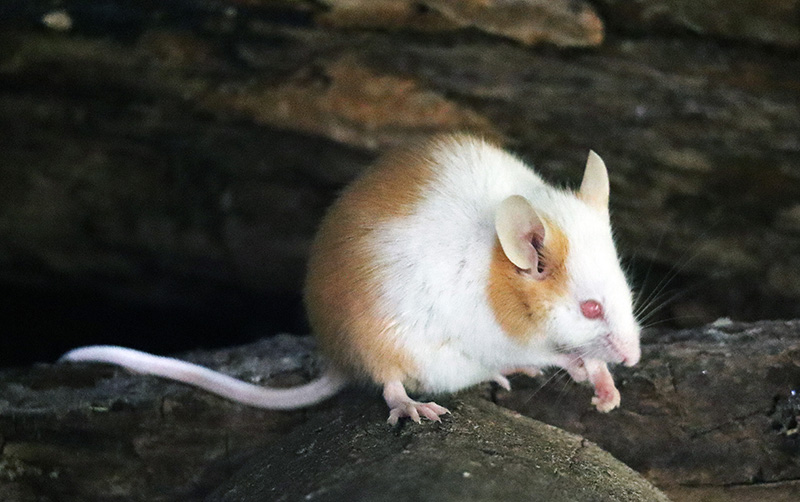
(521, 302)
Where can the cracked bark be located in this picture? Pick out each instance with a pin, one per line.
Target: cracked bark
(700, 440)
(721, 432)
(86, 433)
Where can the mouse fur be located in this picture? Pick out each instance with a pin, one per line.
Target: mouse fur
(450, 263)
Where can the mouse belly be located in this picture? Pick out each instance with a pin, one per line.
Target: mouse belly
(444, 368)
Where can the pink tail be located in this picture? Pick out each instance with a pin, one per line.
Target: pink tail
(220, 384)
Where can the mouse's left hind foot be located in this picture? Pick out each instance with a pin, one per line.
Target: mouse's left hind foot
(400, 405)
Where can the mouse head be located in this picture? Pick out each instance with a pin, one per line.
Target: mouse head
(555, 273)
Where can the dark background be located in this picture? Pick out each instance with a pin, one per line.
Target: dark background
(164, 165)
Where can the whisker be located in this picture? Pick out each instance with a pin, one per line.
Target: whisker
(678, 267)
(651, 262)
(663, 302)
(563, 391)
(668, 301)
(538, 390)
(671, 319)
(586, 350)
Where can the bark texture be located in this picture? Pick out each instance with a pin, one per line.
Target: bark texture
(83, 433)
(708, 414)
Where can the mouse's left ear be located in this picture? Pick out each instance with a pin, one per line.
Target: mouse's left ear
(594, 187)
(521, 232)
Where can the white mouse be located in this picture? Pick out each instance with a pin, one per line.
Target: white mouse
(442, 266)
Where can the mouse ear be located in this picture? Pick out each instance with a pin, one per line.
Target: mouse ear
(594, 187)
(520, 231)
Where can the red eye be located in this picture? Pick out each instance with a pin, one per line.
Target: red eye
(591, 309)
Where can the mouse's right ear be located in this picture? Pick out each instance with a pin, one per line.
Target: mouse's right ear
(520, 231)
(594, 187)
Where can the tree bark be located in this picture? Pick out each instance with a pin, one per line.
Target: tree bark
(708, 414)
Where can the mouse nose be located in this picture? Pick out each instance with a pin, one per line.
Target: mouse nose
(632, 355)
(591, 309)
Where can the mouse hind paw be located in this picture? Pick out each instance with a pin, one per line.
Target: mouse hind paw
(400, 405)
(415, 410)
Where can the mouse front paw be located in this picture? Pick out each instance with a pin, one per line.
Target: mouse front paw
(606, 396)
(606, 399)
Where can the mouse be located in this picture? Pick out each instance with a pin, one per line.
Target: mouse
(446, 264)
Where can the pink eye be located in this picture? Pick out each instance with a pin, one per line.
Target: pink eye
(591, 309)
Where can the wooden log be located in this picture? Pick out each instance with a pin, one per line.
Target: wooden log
(708, 414)
(86, 433)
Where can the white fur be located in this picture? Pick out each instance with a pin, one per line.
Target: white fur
(435, 267)
(594, 274)
(434, 274)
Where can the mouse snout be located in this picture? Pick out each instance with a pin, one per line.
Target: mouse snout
(630, 349)
(631, 357)
(625, 348)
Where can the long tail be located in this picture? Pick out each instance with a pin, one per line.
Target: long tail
(222, 385)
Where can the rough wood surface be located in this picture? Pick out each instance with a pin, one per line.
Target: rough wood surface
(481, 453)
(709, 414)
(94, 433)
(761, 21)
(91, 434)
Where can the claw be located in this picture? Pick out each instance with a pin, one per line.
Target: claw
(394, 416)
(429, 410)
(413, 414)
(606, 404)
(531, 371)
(502, 381)
(400, 405)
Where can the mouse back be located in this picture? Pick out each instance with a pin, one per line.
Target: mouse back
(341, 290)
(401, 256)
